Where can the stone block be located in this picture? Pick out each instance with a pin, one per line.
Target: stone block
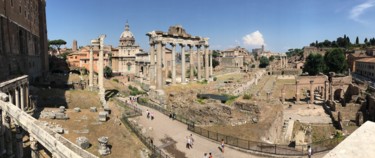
(103, 116)
(61, 116)
(77, 109)
(83, 142)
(93, 109)
(61, 109)
(58, 130)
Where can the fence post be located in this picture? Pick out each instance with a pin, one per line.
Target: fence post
(208, 133)
(248, 144)
(217, 136)
(261, 147)
(275, 148)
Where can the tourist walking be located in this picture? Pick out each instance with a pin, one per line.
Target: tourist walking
(222, 145)
(148, 114)
(152, 116)
(187, 142)
(205, 155)
(191, 139)
(309, 151)
(210, 156)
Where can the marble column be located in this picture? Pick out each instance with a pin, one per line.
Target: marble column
(164, 64)
(173, 63)
(34, 147)
(17, 97)
(152, 64)
(283, 95)
(191, 63)
(207, 76)
(27, 98)
(210, 63)
(11, 97)
(22, 97)
(19, 142)
(159, 66)
(199, 62)
(91, 68)
(101, 65)
(311, 92)
(183, 61)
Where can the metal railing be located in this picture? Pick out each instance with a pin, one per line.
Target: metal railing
(276, 149)
(133, 111)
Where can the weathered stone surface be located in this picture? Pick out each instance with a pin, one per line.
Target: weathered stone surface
(93, 109)
(83, 142)
(102, 116)
(103, 148)
(77, 109)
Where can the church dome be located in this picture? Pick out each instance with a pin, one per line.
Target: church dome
(127, 37)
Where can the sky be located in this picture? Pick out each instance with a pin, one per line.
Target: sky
(277, 24)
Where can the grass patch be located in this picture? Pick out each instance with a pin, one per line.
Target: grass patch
(203, 82)
(134, 91)
(231, 99)
(200, 101)
(247, 96)
(115, 80)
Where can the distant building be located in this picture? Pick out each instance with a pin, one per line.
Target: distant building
(123, 60)
(236, 57)
(307, 50)
(365, 67)
(352, 57)
(81, 58)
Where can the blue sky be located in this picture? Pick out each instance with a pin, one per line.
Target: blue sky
(279, 24)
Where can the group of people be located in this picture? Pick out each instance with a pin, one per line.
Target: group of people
(209, 155)
(189, 141)
(150, 115)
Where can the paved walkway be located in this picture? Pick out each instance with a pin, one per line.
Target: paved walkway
(163, 127)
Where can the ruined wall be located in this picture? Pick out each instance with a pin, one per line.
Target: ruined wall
(274, 132)
(23, 39)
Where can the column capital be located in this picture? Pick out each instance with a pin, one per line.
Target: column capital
(173, 44)
(206, 46)
(182, 44)
(190, 45)
(198, 46)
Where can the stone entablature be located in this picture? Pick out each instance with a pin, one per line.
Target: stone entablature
(176, 36)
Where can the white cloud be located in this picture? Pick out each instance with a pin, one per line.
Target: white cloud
(253, 39)
(360, 9)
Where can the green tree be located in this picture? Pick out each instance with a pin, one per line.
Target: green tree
(272, 58)
(365, 41)
(314, 64)
(215, 63)
(57, 43)
(107, 72)
(357, 40)
(335, 61)
(215, 53)
(263, 62)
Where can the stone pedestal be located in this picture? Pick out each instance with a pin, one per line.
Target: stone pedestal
(103, 148)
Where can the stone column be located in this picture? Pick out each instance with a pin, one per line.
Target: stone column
(183, 71)
(297, 91)
(101, 65)
(199, 62)
(159, 83)
(27, 98)
(211, 64)
(191, 63)
(207, 75)
(19, 142)
(281, 61)
(152, 64)
(10, 97)
(17, 97)
(22, 98)
(173, 63)
(34, 147)
(164, 64)
(91, 67)
(312, 92)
